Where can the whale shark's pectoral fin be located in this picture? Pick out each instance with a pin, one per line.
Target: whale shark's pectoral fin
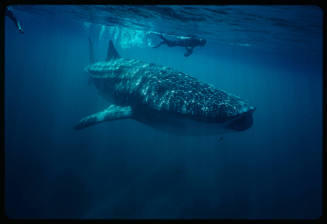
(113, 112)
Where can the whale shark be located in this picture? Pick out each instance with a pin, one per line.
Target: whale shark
(162, 98)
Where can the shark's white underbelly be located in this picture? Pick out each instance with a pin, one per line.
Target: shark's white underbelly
(186, 126)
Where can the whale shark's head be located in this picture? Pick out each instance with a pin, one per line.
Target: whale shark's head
(242, 121)
(233, 112)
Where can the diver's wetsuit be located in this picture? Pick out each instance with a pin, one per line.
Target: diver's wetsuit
(188, 42)
(10, 14)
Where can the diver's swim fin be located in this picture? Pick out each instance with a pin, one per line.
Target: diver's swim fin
(188, 52)
(113, 112)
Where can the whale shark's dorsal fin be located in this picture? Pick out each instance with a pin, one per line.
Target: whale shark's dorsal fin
(112, 53)
(91, 51)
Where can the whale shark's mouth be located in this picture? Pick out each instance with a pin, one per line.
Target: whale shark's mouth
(243, 121)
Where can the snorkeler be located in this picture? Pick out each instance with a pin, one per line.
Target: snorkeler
(10, 14)
(188, 42)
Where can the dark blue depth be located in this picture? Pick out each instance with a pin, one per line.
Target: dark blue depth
(124, 169)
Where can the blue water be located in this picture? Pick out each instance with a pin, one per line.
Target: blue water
(124, 169)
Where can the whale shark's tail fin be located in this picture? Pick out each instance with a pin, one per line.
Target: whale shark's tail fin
(112, 53)
(91, 51)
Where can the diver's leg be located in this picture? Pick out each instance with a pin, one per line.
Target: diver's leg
(20, 29)
(158, 45)
(171, 44)
(164, 41)
(13, 18)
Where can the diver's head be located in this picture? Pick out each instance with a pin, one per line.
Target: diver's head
(203, 42)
